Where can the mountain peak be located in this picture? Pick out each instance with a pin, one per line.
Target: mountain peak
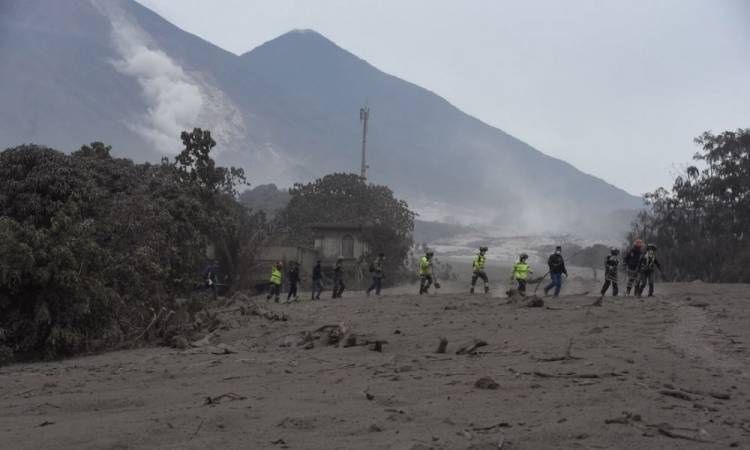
(299, 41)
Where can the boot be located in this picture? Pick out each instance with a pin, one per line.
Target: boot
(486, 289)
(471, 291)
(598, 301)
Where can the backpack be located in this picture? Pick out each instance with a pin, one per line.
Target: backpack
(372, 266)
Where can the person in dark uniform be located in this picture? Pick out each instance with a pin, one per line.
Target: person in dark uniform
(293, 275)
(632, 258)
(317, 281)
(557, 268)
(377, 268)
(647, 271)
(338, 279)
(611, 266)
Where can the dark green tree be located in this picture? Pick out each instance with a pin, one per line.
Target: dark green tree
(346, 198)
(701, 225)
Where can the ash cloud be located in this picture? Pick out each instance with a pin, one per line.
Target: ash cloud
(176, 99)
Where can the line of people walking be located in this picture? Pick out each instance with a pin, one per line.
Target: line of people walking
(640, 265)
(377, 269)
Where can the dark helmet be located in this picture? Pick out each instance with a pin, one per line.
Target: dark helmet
(483, 249)
(430, 253)
(381, 254)
(524, 256)
(614, 251)
(651, 247)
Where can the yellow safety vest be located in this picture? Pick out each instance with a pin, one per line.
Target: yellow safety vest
(425, 266)
(521, 271)
(479, 262)
(275, 275)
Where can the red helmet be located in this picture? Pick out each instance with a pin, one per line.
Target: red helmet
(638, 243)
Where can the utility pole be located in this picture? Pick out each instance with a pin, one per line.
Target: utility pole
(364, 114)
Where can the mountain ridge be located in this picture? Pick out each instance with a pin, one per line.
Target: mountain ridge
(289, 105)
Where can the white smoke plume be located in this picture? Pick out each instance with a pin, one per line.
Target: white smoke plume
(176, 99)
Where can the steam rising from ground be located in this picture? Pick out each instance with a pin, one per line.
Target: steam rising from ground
(177, 100)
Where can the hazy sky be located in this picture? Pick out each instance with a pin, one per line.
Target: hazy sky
(617, 88)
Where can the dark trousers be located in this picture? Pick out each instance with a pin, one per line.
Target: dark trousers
(274, 290)
(377, 283)
(338, 288)
(555, 282)
(317, 288)
(425, 281)
(477, 275)
(522, 286)
(632, 280)
(606, 286)
(292, 290)
(643, 279)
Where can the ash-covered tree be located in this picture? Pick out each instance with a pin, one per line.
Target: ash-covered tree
(346, 198)
(91, 246)
(701, 225)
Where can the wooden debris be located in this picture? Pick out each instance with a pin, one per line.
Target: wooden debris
(471, 348)
(206, 340)
(442, 346)
(491, 427)
(216, 400)
(223, 349)
(576, 375)
(567, 357)
(625, 419)
(671, 433)
(677, 394)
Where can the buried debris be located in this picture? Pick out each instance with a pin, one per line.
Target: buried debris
(222, 349)
(519, 299)
(486, 383)
(665, 429)
(331, 335)
(255, 310)
(471, 348)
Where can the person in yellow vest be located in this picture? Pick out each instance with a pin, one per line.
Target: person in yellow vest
(274, 286)
(521, 272)
(425, 273)
(478, 268)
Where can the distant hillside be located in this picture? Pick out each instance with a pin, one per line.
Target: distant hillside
(287, 111)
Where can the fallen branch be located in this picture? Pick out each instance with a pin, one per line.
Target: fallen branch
(674, 435)
(471, 348)
(575, 375)
(677, 394)
(567, 357)
(216, 400)
(196, 430)
(491, 427)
